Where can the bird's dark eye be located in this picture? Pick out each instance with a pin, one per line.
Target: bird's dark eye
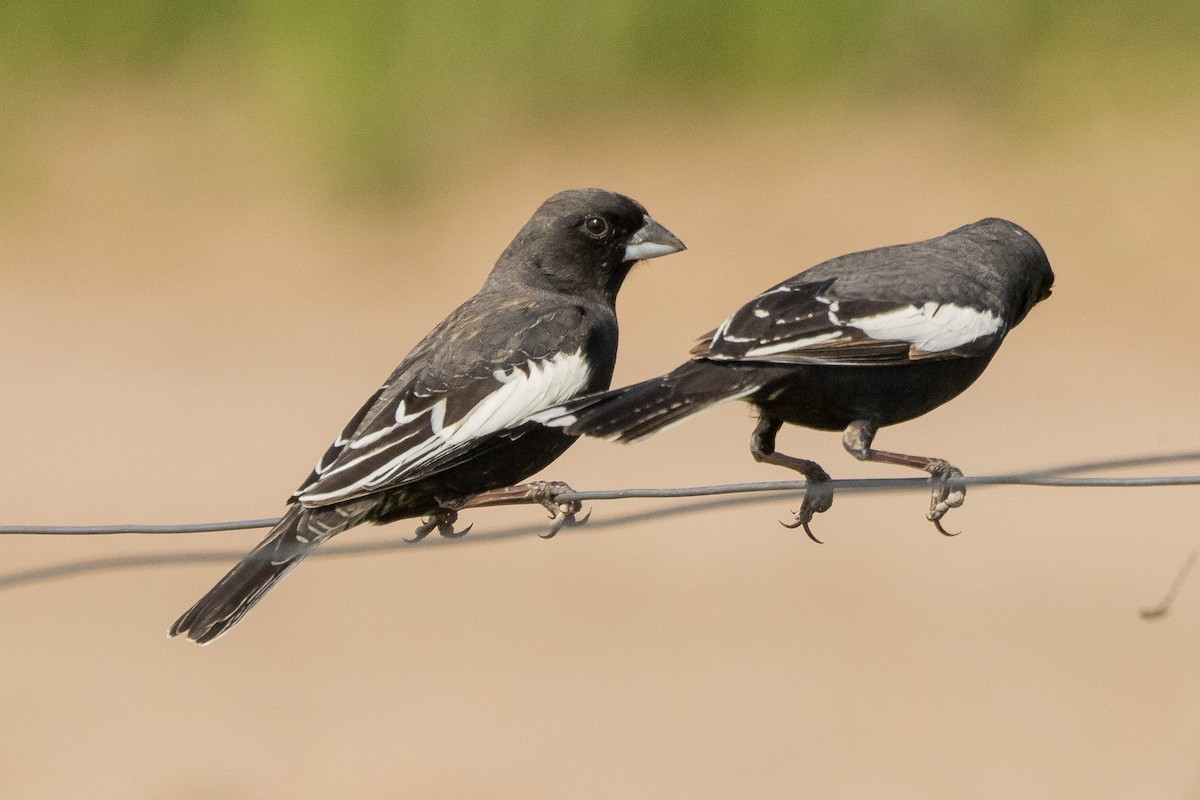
(596, 227)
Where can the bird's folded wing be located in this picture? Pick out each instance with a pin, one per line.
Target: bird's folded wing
(808, 323)
(449, 399)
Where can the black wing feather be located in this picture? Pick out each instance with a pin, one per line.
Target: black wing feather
(799, 322)
(448, 374)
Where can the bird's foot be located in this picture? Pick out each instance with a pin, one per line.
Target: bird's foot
(443, 521)
(948, 492)
(818, 497)
(545, 493)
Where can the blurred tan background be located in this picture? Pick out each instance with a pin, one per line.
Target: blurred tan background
(219, 230)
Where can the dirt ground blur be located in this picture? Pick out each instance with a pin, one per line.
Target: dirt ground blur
(184, 327)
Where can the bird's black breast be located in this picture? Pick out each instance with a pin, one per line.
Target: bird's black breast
(600, 346)
(831, 397)
(499, 460)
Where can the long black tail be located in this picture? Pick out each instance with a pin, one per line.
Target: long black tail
(633, 412)
(295, 536)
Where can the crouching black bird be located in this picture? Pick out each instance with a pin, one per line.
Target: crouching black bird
(855, 343)
(451, 426)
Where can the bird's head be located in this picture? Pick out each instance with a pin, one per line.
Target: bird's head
(583, 241)
(1022, 258)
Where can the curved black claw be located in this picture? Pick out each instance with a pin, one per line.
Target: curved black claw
(818, 498)
(424, 529)
(449, 532)
(563, 515)
(948, 492)
(937, 523)
(798, 523)
(442, 521)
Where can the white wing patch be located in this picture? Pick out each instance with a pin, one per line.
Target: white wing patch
(520, 392)
(555, 417)
(932, 327)
(547, 382)
(788, 345)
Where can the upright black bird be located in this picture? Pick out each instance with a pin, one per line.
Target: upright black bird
(855, 343)
(453, 420)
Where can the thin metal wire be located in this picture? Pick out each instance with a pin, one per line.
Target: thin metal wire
(860, 485)
(101, 564)
(1058, 477)
(106, 530)
(700, 499)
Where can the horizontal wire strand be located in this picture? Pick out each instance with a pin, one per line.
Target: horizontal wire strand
(697, 499)
(101, 564)
(1058, 477)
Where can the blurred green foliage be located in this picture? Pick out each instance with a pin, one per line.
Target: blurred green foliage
(376, 85)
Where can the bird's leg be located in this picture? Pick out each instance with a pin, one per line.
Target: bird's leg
(443, 520)
(818, 496)
(544, 493)
(948, 491)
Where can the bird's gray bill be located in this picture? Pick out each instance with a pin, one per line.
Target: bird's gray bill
(651, 241)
